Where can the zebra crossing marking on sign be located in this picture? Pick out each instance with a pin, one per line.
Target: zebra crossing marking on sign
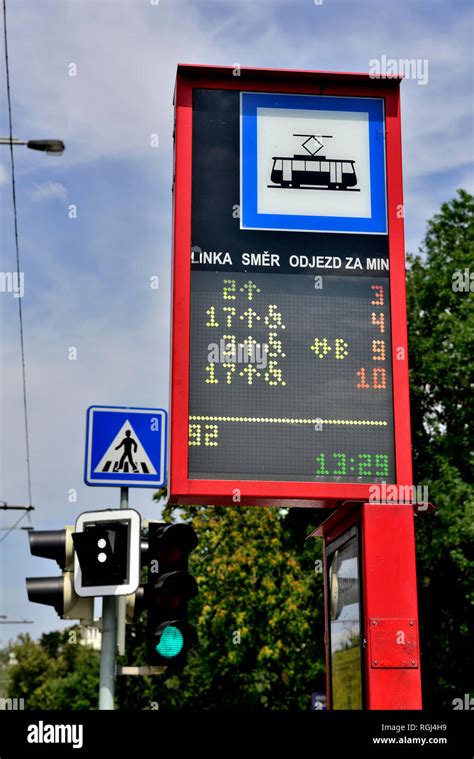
(125, 446)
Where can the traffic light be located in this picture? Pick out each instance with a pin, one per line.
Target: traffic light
(57, 591)
(107, 547)
(168, 590)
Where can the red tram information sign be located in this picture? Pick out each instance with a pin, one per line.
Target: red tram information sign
(289, 345)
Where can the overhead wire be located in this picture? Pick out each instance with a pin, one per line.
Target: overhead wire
(4, 537)
(18, 267)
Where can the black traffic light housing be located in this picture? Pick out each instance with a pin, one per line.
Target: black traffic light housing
(57, 592)
(51, 544)
(169, 588)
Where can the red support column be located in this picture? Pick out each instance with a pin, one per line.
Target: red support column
(390, 608)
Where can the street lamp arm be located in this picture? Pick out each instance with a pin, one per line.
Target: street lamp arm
(12, 141)
(52, 147)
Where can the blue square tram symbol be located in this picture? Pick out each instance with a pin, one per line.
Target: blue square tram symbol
(126, 446)
(312, 163)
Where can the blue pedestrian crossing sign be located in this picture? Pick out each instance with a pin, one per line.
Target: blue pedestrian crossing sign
(126, 446)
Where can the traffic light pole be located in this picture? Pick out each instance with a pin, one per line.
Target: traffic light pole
(121, 601)
(113, 637)
(108, 653)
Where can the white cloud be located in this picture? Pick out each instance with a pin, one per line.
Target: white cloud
(48, 191)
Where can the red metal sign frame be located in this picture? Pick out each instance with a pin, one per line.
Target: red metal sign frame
(391, 667)
(182, 489)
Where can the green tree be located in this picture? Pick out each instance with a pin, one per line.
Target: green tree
(258, 614)
(57, 672)
(441, 342)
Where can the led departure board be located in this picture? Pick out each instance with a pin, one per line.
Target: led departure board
(289, 381)
(286, 322)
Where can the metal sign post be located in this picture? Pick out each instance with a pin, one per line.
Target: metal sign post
(122, 600)
(125, 447)
(107, 654)
(113, 636)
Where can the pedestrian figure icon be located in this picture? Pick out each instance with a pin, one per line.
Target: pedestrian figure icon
(128, 443)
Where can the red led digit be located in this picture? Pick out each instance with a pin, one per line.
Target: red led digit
(378, 350)
(380, 379)
(363, 384)
(378, 320)
(378, 294)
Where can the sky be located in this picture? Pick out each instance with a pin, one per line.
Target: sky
(87, 279)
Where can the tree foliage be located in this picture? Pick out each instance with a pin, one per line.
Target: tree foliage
(57, 672)
(258, 616)
(441, 342)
